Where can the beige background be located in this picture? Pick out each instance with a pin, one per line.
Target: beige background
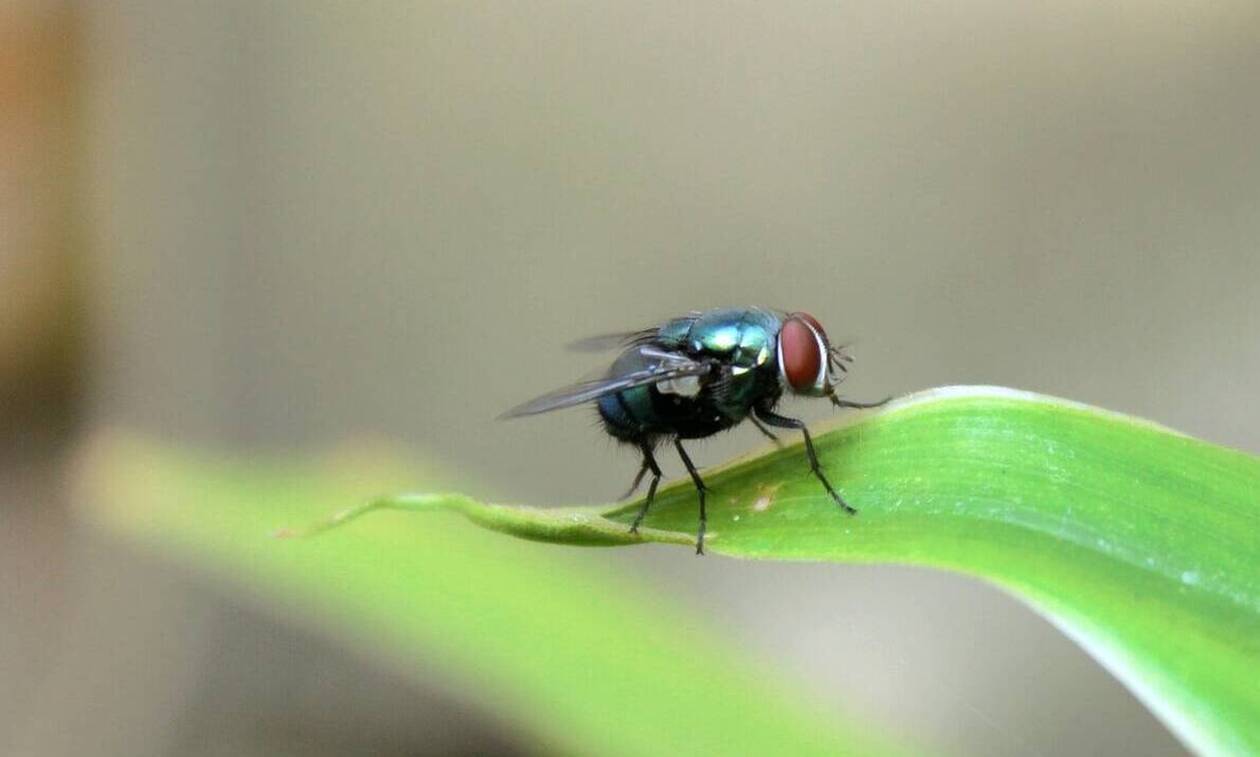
(315, 220)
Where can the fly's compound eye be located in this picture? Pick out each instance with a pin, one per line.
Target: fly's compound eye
(802, 354)
(812, 321)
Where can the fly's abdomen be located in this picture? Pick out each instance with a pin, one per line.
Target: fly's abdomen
(619, 415)
(645, 412)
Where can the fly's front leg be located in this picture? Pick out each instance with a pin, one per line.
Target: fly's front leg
(859, 405)
(779, 421)
(649, 463)
(700, 490)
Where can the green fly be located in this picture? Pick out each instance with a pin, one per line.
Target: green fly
(706, 372)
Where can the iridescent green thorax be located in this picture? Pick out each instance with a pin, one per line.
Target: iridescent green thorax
(745, 337)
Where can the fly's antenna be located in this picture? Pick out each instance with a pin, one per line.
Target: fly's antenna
(840, 360)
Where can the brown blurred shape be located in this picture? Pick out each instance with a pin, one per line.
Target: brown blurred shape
(39, 302)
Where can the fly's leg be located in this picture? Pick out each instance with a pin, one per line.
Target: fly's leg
(638, 479)
(778, 421)
(649, 463)
(767, 432)
(858, 405)
(700, 490)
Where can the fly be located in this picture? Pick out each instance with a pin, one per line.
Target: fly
(706, 372)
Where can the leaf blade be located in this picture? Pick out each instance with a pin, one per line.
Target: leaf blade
(1142, 543)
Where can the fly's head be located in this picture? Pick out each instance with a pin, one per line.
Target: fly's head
(808, 364)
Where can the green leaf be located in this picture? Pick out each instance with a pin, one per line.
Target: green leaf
(579, 659)
(1140, 543)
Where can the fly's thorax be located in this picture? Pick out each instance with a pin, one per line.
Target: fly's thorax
(742, 341)
(743, 337)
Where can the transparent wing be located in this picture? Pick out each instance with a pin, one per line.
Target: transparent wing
(664, 366)
(618, 341)
(622, 339)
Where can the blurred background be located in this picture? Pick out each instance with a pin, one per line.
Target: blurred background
(278, 226)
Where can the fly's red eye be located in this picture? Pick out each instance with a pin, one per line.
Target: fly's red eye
(800, 353)
(812, 321)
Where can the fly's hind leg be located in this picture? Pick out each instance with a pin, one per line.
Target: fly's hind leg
(649, 464)
(634, 485)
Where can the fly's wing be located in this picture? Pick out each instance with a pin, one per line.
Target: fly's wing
(623, 339)
(618, 341)
(660, 366)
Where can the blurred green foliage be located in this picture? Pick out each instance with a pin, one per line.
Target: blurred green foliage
(575, 661)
